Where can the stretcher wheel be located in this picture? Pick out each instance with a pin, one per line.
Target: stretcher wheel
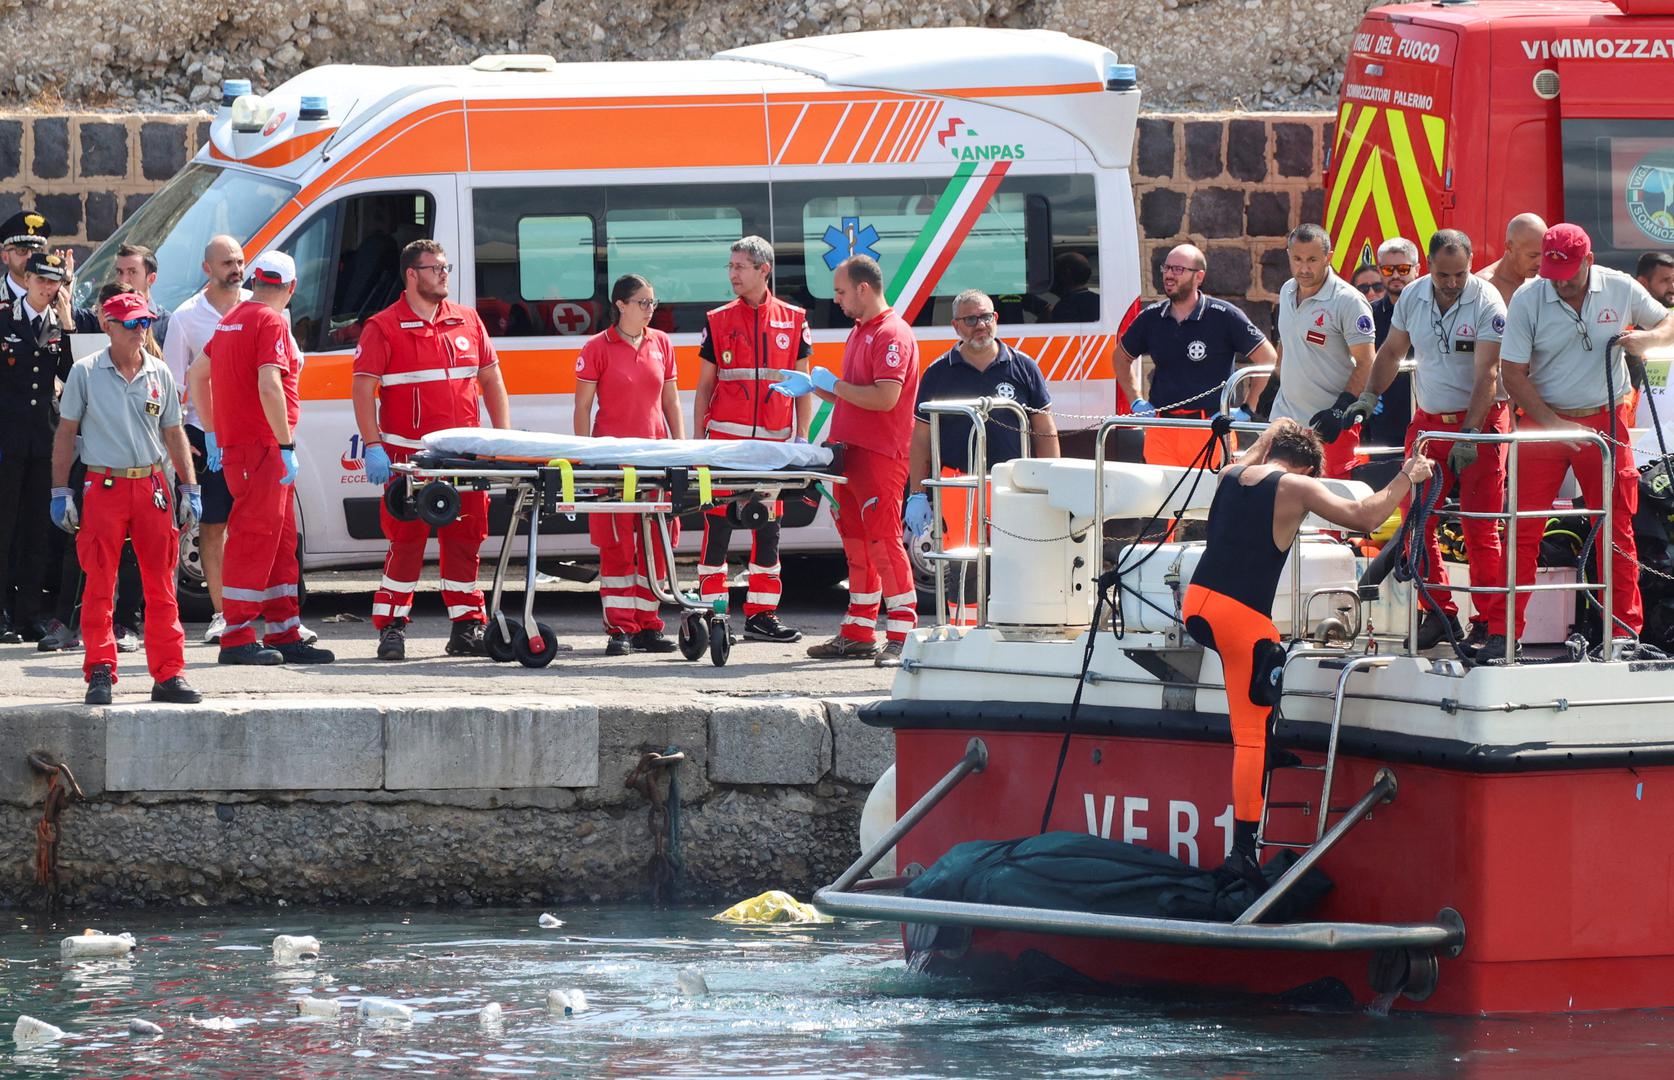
(720, 642)
(398, 499)
(523, 647)
(501, 648)
(438, 503)
(692, 636)
(750, 514)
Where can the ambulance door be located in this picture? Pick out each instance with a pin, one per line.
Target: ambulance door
(346, 251)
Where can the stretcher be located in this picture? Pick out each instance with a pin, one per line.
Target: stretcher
(656, 479)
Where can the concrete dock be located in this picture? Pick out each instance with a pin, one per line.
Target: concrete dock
(442, 780)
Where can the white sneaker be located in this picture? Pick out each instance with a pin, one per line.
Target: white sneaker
(217, 627)
(307, 636)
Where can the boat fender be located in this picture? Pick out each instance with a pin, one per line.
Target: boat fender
(1267, 670)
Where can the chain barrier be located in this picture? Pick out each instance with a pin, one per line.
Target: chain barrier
(61, 789)
(651, 776)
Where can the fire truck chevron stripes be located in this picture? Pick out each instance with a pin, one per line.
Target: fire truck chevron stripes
(1386, 174)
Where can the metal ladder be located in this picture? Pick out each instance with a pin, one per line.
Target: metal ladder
(1326, 769)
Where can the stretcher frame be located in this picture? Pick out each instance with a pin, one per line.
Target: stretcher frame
(560, 486)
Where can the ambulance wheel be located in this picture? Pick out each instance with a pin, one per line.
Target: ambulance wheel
(501, 649)
(524, 647)
(692, 636)
(398, 499)
(438, 503)
(720, 643)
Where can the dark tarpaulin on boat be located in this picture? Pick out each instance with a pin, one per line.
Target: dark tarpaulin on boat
(1071, 871)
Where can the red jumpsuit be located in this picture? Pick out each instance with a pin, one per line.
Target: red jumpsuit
(259, 579)
(1482, 491)
(875, 456)
(427, 381)
(750, 347)
(630, 392)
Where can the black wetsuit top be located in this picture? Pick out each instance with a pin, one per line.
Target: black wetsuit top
(1239, 559)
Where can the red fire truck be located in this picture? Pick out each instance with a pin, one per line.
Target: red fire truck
(1461, 114)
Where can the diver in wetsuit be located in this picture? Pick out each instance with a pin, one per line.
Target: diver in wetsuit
(1229, 605)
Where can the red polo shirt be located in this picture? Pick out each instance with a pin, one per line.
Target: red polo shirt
(630, 382)
(881, 349)
(250, 337)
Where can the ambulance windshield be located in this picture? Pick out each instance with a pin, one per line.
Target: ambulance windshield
(201, 202)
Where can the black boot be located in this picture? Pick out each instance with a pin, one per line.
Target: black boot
(1242, 863)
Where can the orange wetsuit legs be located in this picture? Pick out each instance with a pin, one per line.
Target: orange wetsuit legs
(1219, 622)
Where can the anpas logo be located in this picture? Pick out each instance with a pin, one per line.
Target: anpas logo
(1650, 196)
(354, 462)
(953, 137)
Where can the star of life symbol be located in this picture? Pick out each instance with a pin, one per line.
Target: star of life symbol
(1197, 350)
(852, 239)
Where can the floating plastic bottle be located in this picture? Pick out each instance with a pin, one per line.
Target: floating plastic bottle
(323, 1008)
(565, 1002)
(384, 1010)
(93, 945)
(288, 949)
(144, 1029)
(691, 981)
(550, 922)
(32, 1032)
(489, 1015)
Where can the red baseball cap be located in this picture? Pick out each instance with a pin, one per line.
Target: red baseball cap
(1562, 251)
(127, 306)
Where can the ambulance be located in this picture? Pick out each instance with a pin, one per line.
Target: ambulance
(1462, 115)
(959, 158)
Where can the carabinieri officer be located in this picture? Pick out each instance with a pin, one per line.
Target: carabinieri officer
(1193, 341)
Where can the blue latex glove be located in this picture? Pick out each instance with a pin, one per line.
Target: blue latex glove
(794, 384)
(377, 464)
(192, 496)
(1242, 415)
(916, 514)
(1141, 407)
(824, 379)
(289, 458)
(64, 509)
(212, 450)
(1377, 410)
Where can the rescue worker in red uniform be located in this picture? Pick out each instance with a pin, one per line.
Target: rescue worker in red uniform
(422, 365)
(873, 420)
(747, 346)
(253, 407)
(629, 371)
(1258, 508)
(122, 408)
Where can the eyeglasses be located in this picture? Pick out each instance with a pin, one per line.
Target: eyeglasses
(1371, 287)
(440, 268)
(644, 305)
(981, 318)
(142, 323)
(1391, 269)
(1176, 268)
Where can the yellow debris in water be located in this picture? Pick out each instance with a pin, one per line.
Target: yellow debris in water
(772, 906)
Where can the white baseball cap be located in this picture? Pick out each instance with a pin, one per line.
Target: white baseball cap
(273, 268)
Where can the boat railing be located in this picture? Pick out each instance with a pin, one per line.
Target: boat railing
(977, 412)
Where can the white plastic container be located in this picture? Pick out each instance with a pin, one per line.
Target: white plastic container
(565, 1002)
(1039, 575)
(876, 818)
(288, 949)
(550, 922)
(691, 981)
(32, 1032)
(144, 1029)
(383, 1010)
(321, 1008)
(93, 946)
(489, 1016)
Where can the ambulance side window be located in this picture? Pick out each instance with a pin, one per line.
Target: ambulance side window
(347, 264)
(311, 248)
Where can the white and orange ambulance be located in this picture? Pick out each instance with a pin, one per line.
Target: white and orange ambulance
(961, 158)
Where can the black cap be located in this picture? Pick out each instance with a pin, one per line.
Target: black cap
(26, 229)
(47, 265)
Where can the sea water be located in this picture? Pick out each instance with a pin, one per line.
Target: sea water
(816, 1001)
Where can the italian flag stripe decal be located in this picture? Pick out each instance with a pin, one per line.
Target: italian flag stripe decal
(950, 222)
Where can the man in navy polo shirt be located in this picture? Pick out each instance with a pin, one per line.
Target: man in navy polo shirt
(1193, 341)
(981, 365)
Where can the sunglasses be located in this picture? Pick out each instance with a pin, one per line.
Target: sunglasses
(1391, 269)
(142, 323)
(1371, 287)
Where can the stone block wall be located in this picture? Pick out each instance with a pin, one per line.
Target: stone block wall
(1234, 185)
(88, 171)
